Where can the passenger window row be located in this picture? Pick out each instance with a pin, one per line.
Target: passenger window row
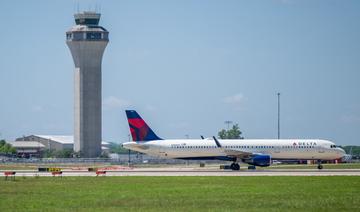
(242, 147)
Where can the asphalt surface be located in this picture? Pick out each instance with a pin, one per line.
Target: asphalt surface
(196, 172)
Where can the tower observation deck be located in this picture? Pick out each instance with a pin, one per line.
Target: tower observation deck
(87, 42)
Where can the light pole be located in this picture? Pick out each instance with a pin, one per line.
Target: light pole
(129, 152)
(228, 124)
(278, 94)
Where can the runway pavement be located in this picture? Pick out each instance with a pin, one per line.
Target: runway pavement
(198, 172)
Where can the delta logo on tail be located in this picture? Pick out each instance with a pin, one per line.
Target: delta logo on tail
(140, 131)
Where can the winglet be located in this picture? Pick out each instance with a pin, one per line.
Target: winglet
(217, 142)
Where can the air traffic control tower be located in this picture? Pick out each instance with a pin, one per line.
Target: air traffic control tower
(87, 41)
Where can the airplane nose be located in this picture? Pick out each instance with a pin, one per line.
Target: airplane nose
(341, 152)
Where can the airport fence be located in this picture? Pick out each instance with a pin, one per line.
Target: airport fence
(119, 159)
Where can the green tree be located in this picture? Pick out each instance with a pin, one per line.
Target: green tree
(65, 153)
(9, 149)
(6, 148)
(2, 143)
(12, 150)
(354, 150)
(48, 153)
(116, 148)
(233, 133)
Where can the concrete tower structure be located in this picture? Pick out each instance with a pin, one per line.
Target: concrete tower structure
(87, 41)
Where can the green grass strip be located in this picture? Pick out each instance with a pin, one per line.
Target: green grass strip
(324, 193)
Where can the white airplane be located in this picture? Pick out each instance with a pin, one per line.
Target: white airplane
(256, 152)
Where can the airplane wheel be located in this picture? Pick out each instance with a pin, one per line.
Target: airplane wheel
(251, 167)
(320, 166)
(235, 166)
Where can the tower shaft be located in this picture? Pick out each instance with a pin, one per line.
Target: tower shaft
(87, 43)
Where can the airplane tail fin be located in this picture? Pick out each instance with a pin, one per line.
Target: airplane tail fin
(140, 131)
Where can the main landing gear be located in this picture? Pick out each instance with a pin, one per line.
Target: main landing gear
(319, 165)
(235, 166)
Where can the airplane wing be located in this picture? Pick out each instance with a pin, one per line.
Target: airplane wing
(237, 153)
(233, 152)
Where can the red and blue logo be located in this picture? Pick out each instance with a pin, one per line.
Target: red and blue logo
(140, 131)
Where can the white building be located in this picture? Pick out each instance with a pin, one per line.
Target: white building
(27, 148)
(57, 142)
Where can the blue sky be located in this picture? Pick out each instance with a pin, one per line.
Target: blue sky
(188, 66)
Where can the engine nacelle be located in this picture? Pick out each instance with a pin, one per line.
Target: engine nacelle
(259, 160)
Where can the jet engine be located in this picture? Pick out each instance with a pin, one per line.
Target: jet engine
(259, 160)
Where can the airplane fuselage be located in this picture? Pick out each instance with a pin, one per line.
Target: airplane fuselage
(289, 149)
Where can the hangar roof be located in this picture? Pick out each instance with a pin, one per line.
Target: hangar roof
(64, 139)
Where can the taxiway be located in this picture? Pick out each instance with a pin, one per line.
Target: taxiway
(198, 172)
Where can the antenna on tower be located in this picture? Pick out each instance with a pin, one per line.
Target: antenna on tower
(98, 7)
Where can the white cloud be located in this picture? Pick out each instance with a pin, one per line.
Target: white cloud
(350, 119)
(150, 108)
(179, 125)
(234, 99)
(285, 1)
(112, 102)
(37, 108)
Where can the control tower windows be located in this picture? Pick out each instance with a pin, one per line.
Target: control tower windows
(87, 21)
(93, 36)
(78, 36)
(68, 36)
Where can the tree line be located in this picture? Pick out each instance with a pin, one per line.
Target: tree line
(6, 148)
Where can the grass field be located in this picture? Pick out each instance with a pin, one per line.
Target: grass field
(180, 194)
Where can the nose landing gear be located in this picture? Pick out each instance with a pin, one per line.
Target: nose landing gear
(319, 165)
